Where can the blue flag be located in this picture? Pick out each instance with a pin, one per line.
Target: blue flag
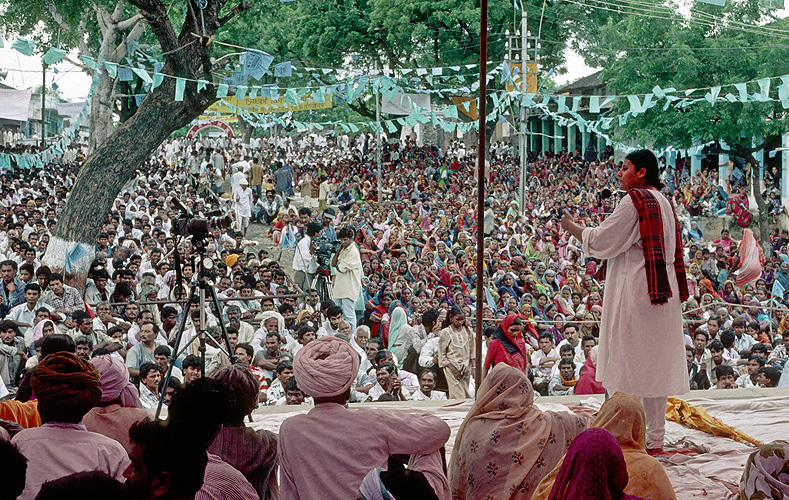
(778, 290)
(256, 63)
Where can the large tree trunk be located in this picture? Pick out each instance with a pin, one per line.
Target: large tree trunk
(246, 130)
(102, 110)
(115, 160)
(763, 215)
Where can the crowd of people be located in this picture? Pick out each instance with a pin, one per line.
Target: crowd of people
(400, 302)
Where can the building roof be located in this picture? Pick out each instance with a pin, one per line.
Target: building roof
(586, 82)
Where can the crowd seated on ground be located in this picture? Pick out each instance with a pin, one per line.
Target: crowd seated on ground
(407, 309)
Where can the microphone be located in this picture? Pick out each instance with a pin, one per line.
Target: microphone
(177, 203)
(605, 194)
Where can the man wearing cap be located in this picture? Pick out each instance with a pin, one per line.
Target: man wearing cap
(242, 199)
(325, 369)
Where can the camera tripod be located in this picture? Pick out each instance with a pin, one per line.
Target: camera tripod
(200, 285)
(322, 284)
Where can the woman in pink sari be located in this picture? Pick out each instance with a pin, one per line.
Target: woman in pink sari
(594, 468)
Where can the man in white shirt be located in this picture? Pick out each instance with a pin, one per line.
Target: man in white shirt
(24, 314)
(242, 199)
(427, 384)
(305, 263)
(751, 378)
(571, 337)
(543, 361)
(388, 385)
(332, 325)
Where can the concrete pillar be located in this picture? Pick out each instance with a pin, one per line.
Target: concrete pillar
(546, 130)
(557, 139)
(723, 159)
(535, 126)
(571, 138)
(600, 146)
(695, 163)
(584, 140)
(671, 159)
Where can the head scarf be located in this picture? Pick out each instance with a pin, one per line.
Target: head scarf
(372, 488)
(326, 367)
(115, 381)
(766, 473)
(273, 314)
(587, 383)
(67, 386)
(593, 468)
(398, 326)
(505, 443)
(502, 334)
(38, 331)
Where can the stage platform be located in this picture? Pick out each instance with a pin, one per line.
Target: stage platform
(709, 467)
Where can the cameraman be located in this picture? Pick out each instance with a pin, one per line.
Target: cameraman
(326, 221)
(305, 263)
(348, 280)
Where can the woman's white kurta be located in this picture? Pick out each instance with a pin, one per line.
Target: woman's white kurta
(641, 351)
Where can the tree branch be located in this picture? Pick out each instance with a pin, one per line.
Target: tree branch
(243, 5)
(219, 63)
(103, 17)
(128, 23)
(156, 15)
(83, 47)
(117, 13)
(120, 51)
(78, 64)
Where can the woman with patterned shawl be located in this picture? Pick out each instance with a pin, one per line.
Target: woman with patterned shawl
(506, 445)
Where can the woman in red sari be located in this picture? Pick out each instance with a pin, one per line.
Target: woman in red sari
(507, 345)
(737, 206)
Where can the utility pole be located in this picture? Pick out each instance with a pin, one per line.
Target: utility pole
(43, 105)
(523, 146)
(483, 72)
(378, 133)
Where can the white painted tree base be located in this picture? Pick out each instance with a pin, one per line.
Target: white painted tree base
(55, 256)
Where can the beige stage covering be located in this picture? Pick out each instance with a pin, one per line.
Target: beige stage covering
(710, 469)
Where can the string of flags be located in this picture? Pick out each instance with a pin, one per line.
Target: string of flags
(565, 109)
(57, 149)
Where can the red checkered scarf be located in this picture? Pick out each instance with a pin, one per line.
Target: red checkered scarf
(650, 224)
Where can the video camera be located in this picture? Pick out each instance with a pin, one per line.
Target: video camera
(198, 229)
(325, 248)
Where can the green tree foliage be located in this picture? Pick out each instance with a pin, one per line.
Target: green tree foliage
(713, 46)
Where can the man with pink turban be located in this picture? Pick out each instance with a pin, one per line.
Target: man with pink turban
(325, 369)
(120, 405)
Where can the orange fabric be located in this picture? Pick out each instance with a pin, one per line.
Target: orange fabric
(623, 416)
(25, 414)
(697, 417)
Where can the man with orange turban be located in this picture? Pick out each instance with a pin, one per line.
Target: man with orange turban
(325, 369)
(67, 387)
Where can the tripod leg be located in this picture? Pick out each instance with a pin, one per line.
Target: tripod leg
(174, 353)
(217, 305)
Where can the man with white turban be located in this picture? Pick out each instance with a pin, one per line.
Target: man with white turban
(325, 369)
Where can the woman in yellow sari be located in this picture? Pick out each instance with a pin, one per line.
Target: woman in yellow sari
(623, 416)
